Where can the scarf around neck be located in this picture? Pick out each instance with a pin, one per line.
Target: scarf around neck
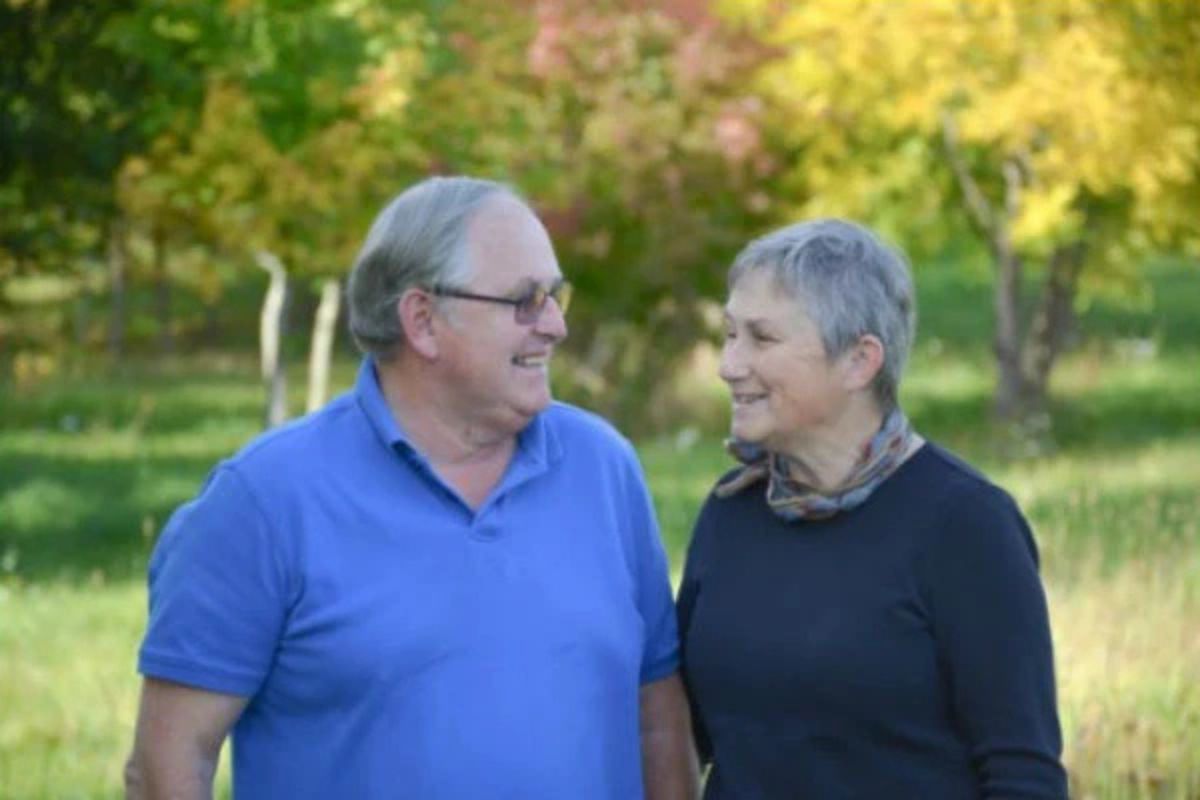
(791, 498)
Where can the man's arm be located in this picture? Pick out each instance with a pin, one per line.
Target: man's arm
(669, 766)
(178, 741)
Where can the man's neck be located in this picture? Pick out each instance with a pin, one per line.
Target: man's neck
(432, 425)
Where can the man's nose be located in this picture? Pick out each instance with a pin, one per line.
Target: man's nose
(552, 322)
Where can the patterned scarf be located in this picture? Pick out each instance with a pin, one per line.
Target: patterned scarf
(793, 499)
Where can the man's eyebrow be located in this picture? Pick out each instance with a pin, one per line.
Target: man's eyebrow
(526, 284)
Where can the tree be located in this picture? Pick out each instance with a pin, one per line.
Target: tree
(1064, 134)
(288, 159)
(628, 127)
(82, 86)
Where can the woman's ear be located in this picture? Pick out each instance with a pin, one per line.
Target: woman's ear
(415, 308)
(862, 362)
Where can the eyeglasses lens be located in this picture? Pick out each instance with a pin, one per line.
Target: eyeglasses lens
(530, 307)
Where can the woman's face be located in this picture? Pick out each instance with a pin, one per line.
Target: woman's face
(784, 388)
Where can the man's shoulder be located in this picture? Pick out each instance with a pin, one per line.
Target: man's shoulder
(299, 447)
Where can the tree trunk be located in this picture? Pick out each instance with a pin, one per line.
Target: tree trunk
(1010, 381)
(118, 261)
(162, 294)
(212, 326)
(1051, 321)
(271, 322)
(324, 330)
(993, 222)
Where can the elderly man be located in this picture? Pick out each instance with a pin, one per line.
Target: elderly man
(443, 585)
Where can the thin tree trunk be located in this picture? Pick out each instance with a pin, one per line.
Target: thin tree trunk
(212, 326)
(270, 331)
(324, 330)
(162, 294)
(1051, 322)
(994, 224)
(1010, 390)
(118, 261)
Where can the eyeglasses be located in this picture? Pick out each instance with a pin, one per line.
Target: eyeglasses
(527, 306)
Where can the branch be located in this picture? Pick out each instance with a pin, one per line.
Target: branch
(1012, 188)
(977, 204)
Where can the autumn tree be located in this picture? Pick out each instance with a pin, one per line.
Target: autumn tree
(286, 162)
(628, 126)
(1064, 134)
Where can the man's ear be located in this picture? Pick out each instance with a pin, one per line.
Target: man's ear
(862, 362)
(415, 308)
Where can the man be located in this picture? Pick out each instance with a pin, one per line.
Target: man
(443, 585)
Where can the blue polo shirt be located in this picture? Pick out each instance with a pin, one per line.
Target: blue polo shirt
(393, 642)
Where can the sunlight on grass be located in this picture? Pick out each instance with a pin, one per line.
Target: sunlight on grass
(39, 504)
(90, 469)
(68, 691)
(1128, 657)
(68, 687)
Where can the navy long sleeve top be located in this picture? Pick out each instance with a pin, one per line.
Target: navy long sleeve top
(898, 650)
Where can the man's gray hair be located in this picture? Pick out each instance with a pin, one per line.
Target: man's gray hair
(850, 284)
(416, 241)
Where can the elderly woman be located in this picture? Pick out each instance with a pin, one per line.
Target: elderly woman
(861, 611)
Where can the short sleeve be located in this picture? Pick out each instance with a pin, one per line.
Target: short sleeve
(660, 652)
(992, 629)
(218, 589)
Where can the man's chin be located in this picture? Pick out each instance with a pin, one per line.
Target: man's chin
(522, 413)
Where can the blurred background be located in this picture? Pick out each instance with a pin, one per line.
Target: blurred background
(183, 186)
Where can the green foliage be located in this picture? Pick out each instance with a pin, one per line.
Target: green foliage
(162, 146)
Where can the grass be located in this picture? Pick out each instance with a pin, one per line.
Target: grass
(91, 466)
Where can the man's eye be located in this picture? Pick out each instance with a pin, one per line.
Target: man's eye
(532, 299)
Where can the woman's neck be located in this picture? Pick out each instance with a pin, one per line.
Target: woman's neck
(825, 458)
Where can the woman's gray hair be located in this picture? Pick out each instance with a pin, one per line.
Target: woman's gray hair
(416, 241)
(850, 284)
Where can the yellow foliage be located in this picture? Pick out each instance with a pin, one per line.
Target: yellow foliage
(1093, 99)
(1046, 215)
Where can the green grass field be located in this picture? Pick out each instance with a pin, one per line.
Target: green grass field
(91, 465)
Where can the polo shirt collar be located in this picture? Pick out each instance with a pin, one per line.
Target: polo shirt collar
(375, 407)
(537, 446)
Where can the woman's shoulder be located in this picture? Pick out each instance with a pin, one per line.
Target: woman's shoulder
(955, 480)
(973, 512)
(726, 511)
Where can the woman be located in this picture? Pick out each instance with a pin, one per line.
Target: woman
(860, 611)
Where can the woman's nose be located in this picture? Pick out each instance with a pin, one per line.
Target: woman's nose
(730, 367)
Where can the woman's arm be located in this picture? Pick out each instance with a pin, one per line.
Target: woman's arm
(992, 628)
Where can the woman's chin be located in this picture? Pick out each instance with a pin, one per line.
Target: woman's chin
(745, 433)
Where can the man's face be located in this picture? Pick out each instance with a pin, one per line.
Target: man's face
(498, 368)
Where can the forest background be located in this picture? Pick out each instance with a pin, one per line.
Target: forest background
(183, 186)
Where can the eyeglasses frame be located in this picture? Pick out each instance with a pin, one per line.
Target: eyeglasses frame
(527, 310)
